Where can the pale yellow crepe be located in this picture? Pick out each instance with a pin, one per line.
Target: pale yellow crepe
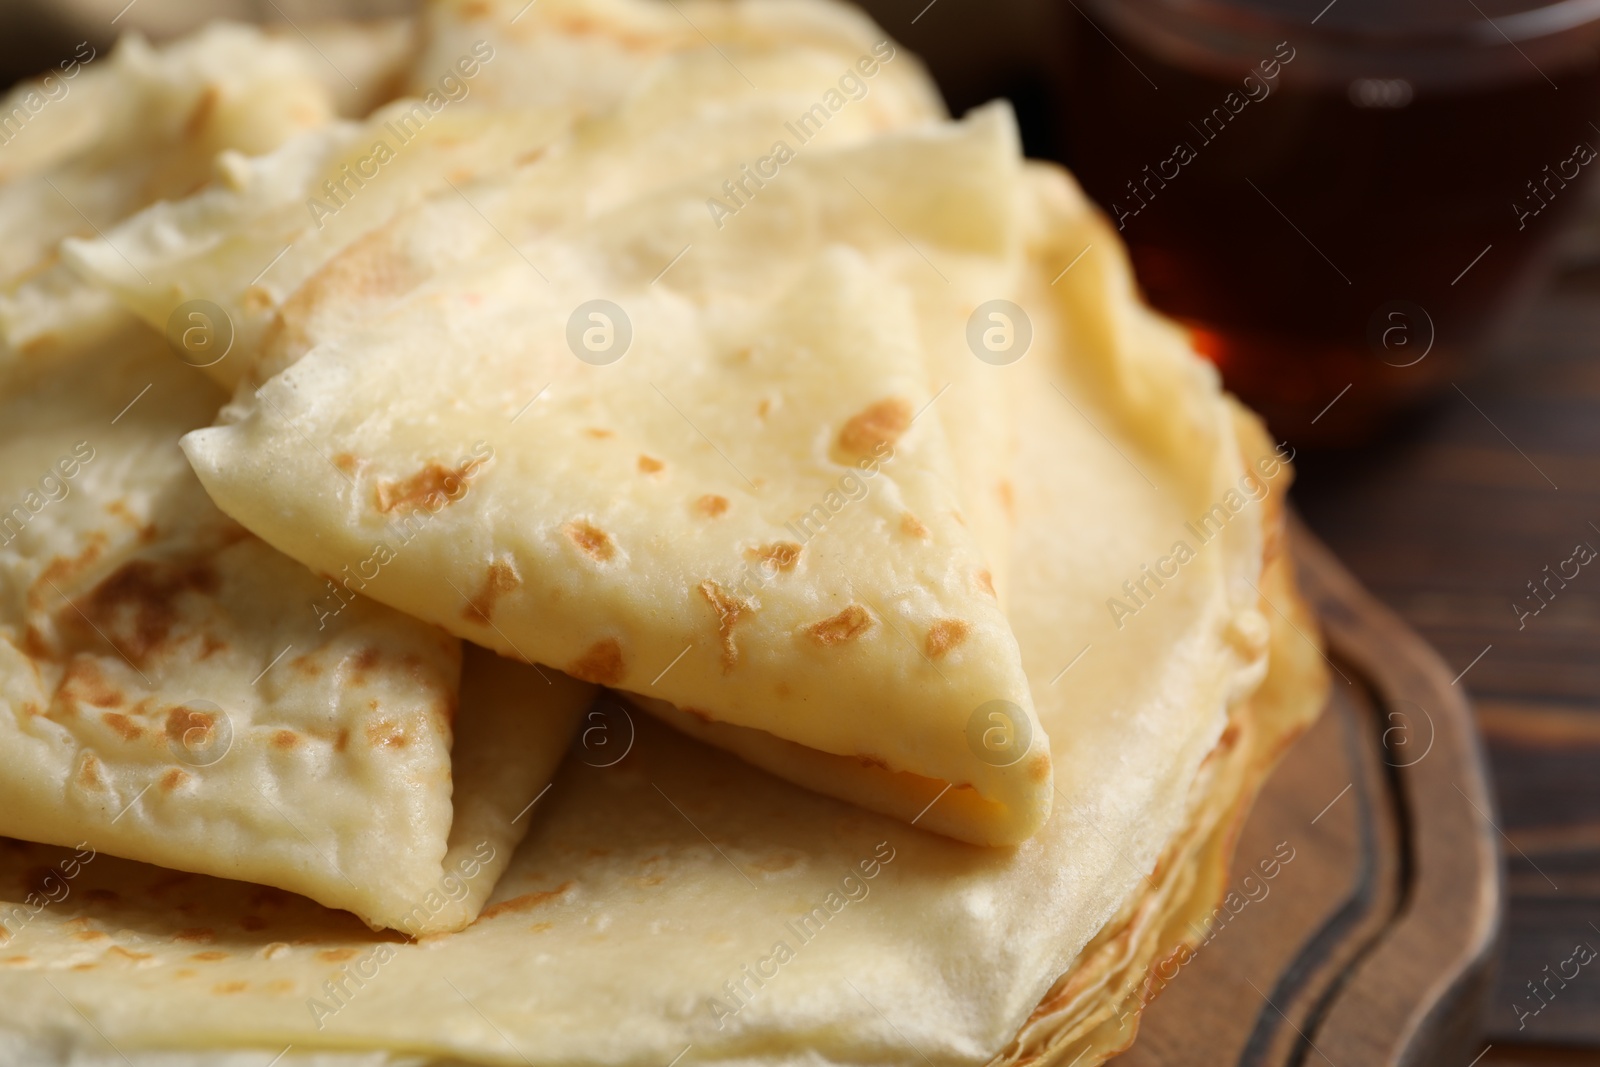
(305, 242)
(743, 516)
(592, 54)
(680, 903)
(126, 129)
(174, 690)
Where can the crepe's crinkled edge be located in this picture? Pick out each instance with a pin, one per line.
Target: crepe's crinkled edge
(172, 689)
(127, 129)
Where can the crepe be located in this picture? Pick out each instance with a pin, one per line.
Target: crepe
(681, 903)
(174, 690)
(592, 54)
(104, 136)
(301, 244)
(613, 529)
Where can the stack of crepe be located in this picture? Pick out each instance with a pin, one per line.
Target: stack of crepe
(629, 538)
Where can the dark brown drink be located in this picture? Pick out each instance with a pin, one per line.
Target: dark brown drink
(1333, 201)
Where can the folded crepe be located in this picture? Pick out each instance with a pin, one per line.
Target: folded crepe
(173, 690)
(743, 516)
(303, 243)
(680, 903)
(101, 137)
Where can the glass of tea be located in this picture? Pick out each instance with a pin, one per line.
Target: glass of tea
(1341, 199)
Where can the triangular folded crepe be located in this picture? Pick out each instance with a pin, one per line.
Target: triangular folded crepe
(744, 516)
(678, 898)
(174, 690)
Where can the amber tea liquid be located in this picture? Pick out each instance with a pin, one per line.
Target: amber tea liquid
(1350, 203)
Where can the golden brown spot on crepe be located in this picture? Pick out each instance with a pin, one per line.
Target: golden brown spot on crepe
(188, 727)
(84, 683)
(956, 515)
(763, 407)
(346, 462)
(89, 935)
(89, 772)
(201, 114)
(848, 625)
(599, 434)
(129, 954)
(729, 610)
(601, 664)
(137, 606)
(146, 531)
(125, 727)
(711, 505)
(173, 779)
(211, 956)
(591, 540)
(366, 661)
(84, 966)
(257, 299)
(1039, 768)
(33, 643)
(525, 902)
(880, 424)
(203, 934)
(280, 985)
(1008, 498)
(476, 9)
(337, 955)
(912, 526)
(944, 635)
(781, 555)
(986, 583)
(529, 157)
(18, 961)
(185, 972)
(424, 488)
(539, 928)
(226, 988)
(368, 271)
(63, 569)
(307, 666)
(501, 577)
(210, 646)
(648, 465)
(341, 742)
(285, 740)
(385, 733)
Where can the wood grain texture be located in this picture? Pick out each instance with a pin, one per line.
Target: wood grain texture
(1373, 945)
(1447, 523)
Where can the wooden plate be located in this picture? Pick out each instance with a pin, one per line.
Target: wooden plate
(1373, 943)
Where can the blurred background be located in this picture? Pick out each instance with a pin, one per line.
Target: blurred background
(1380, 219)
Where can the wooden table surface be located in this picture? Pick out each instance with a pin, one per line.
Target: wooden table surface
(1447, 522)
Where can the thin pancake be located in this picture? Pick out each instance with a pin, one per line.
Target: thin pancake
(683, 857)
(695, 522)
(130, 128)
(174, 690)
